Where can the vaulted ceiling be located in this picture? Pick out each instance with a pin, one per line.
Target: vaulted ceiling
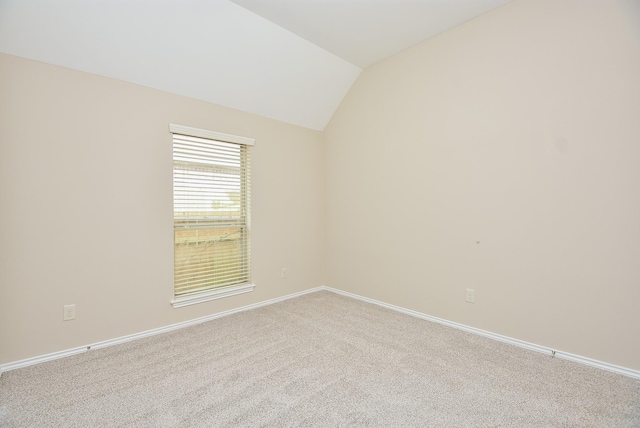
(290, 60)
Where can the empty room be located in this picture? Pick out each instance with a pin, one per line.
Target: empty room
(417, 213)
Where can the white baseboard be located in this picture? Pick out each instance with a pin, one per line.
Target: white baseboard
(105, 343)
(42, 359)
(531, 346)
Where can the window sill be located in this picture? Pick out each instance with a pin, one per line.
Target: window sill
(211, 295)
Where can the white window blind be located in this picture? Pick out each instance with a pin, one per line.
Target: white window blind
(211, 208)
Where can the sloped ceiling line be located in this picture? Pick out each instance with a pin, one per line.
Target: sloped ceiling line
(288, 60)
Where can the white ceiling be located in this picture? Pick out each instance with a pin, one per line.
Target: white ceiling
(290, 60)
(364, 32)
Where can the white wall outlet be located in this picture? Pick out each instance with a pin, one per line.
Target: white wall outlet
(69, 312)
(284, 272)
(471, 298)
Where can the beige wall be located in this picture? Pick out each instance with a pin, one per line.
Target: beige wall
(502, 156)
(86, 206)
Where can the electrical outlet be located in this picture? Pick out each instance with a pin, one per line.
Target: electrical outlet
(69, 312)
(471, 298)
(284, 272)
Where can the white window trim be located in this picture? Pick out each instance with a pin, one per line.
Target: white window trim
(208, 295)
(212, 135)
(205, 296)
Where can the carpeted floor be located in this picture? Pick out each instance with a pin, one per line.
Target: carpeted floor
(317, 360)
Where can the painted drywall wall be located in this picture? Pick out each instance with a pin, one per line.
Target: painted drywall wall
(86, 197)
(501, 156)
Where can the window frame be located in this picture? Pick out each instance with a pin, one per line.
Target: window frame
(225, 290)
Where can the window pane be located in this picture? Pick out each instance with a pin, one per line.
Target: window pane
(211, 214)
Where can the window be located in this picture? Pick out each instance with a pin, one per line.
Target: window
(211, 215)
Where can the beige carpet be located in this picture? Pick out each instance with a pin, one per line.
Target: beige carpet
(317, 360)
